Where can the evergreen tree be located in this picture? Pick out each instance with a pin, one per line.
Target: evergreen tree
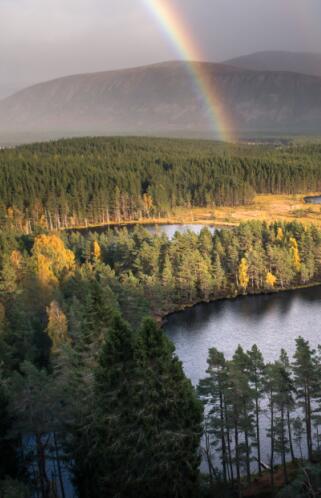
(148, 419)
(213, 389)
(8, 445)
(304, 368)
(256, 376)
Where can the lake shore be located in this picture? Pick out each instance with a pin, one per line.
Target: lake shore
(162, 317)
(265, 207)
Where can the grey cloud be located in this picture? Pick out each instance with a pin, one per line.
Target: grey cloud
(43, 39)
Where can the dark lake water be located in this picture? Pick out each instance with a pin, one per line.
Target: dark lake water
(270, 321)
(313, 200)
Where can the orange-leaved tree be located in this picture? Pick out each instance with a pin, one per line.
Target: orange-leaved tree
(53, 260)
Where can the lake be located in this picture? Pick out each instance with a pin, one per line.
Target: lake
(154, 229)
(316, 199)
(271, 321)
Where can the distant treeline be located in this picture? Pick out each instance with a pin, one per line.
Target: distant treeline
(98, 180)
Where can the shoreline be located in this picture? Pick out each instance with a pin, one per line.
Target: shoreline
(265, 207)
(162, 318)
(152, 221)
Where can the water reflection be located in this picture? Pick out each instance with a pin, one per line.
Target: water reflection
(270, 321)
(316, 199)
(152, 228)
(170, 230)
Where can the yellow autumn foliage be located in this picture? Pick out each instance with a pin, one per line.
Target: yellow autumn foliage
(10, 213)
(16, 259)
(270, 279)
(243, 273)
(294, 250)
(96, 250)
(53, 260)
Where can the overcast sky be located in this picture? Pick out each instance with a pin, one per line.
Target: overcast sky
(43, 39)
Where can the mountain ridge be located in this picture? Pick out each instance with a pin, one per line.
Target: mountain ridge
(163, 98)
(277, 60)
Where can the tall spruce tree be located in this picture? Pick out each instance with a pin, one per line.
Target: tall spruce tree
(148, 420)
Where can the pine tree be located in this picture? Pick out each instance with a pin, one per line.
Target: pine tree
(213, 389)
(241, 390)
(256, 376)
(304, 368)
(270, 388)
(218, 274)
(288, 395)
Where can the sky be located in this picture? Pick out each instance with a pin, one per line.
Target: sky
(45, 39)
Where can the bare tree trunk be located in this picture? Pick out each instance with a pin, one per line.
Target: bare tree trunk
(290, 436)
(61, 481)
(257, 420)
(223, 437)
(41, 457)
(283, 446)
(237, 458)
(248, 467)
(272, 443)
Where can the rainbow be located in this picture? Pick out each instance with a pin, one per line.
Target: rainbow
(173, 26)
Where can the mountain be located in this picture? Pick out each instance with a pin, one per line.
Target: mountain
(163, 99)
(296, 62)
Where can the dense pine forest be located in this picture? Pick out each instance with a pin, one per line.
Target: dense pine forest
(99, 180)
(83, 390)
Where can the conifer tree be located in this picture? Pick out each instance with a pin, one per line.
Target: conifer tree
(256, 376)
(148, 419)
(213, 390)
(304, 368)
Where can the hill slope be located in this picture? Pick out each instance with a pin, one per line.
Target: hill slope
(305, 63)
(163, 99)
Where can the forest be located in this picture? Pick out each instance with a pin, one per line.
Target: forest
(77, 182)
(91, 388)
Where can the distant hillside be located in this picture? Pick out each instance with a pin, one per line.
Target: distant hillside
(305, 63)
(163, 99)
